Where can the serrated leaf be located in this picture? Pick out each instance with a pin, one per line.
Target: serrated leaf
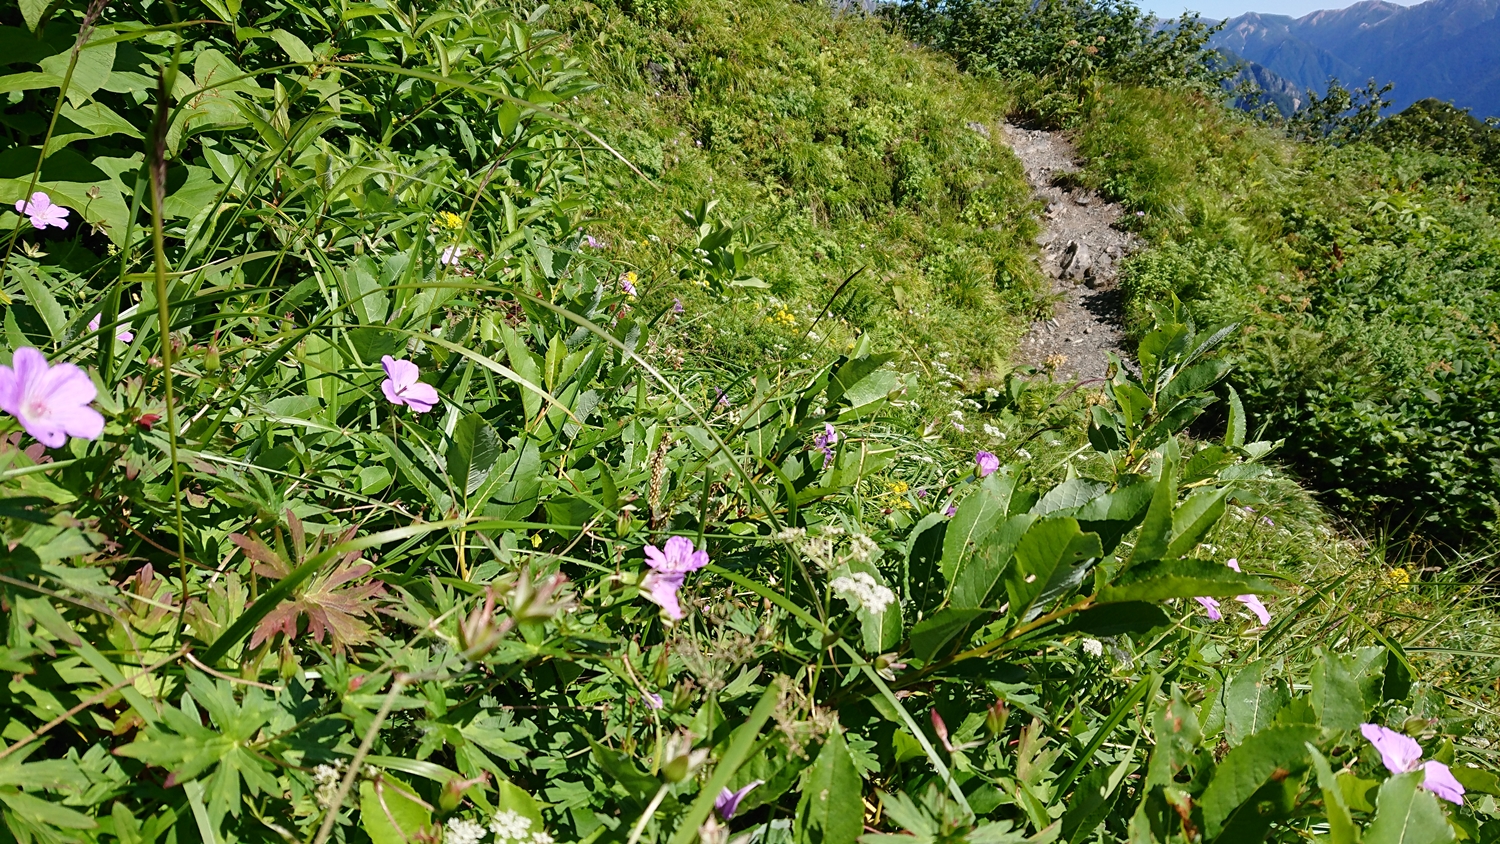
(1271, 753)
(1193, 519)
(977, 515)
(1251, 701)
(1161, 580)
(1047, 553)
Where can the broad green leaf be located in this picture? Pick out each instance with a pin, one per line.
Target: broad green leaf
(367, 299)
(32, 11)
(44, 813)
(1115, 619)
(1193, 519)
(1407, 814)
(1068, 496)
(89, 74)
(980, 572)
(977, 515)
(1344, 687)
(472, 453)
(40, 298)
(1341, 828)
(1476, 779)
(930, 635)
(390, 813)
(1234, 435)
(1163, 579)
(1251, 701)
(1048, 551)
(1156, 530)
(832, 809)
(1275, 752)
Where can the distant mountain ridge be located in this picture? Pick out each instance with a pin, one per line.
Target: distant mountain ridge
(1446, 49)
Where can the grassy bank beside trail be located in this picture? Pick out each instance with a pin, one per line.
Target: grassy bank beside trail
(1367, 277)
(857, 154)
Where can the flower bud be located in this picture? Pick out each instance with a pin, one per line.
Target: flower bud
(995, 718)
(454, 789)
(680, 760)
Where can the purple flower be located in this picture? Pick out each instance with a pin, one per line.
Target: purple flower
(628, 286)
(1251, 602)
(670, 566)
(677, 307)
(1211, 607)
(653, 700)
(1401, 755)
(42, 212)
(121, 334)
(952, 508)
(51, 402)
(721, 398)
(1437, 779)
(592, 242)
(402, 387)
(450, 256)
(986, 463)
(826, 441)
(728, 802)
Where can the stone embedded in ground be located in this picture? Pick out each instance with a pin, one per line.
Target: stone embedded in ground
(1083, 199)
(1076, 261)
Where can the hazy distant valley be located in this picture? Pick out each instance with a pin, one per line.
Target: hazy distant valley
(1447, 49)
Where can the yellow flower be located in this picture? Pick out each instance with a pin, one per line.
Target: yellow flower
(450, 220)
(782, 317)
(1400, 579)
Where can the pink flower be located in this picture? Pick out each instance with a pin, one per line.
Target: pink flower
(402, 387)
(51, 402)
(1250, 601)
(1437, 779)
(670, 566)
(728, 802)
(1401, 755)
(1211, 607)
(42, 212)
(985, 463)
(677, 307)
(121, 334)
(952, 509)
(450, 256)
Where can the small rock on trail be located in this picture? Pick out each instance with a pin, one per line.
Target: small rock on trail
(1080, 252)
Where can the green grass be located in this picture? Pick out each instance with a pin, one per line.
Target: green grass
(1367, 279)
(833, 138)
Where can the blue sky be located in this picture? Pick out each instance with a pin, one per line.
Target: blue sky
(1220, 9)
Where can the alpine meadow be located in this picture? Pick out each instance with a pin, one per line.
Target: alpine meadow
(664, 421)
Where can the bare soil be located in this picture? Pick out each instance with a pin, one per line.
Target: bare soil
(1080, 251)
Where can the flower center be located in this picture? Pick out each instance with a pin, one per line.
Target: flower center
(37, 408)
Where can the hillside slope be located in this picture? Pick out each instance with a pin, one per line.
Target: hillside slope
(1442, 49)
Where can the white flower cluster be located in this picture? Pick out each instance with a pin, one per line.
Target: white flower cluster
(860, 588)
(512, 826)
(327, 778)
(1093, 647)
(862, 547)
(992, 431)
(462, 831)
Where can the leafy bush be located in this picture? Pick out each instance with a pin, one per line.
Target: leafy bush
(1067, 42)
(1367, 277)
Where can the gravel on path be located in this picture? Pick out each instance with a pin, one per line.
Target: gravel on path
(1080, 251)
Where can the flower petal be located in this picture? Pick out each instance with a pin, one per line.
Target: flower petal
(1254, 605)
(1400, 753)
(1211, 607)
(660, 588)
(1440, 781)
(420, 397)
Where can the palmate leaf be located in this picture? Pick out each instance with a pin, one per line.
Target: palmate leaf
(333, 601)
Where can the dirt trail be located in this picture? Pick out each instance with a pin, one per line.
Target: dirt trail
(1081, 251)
